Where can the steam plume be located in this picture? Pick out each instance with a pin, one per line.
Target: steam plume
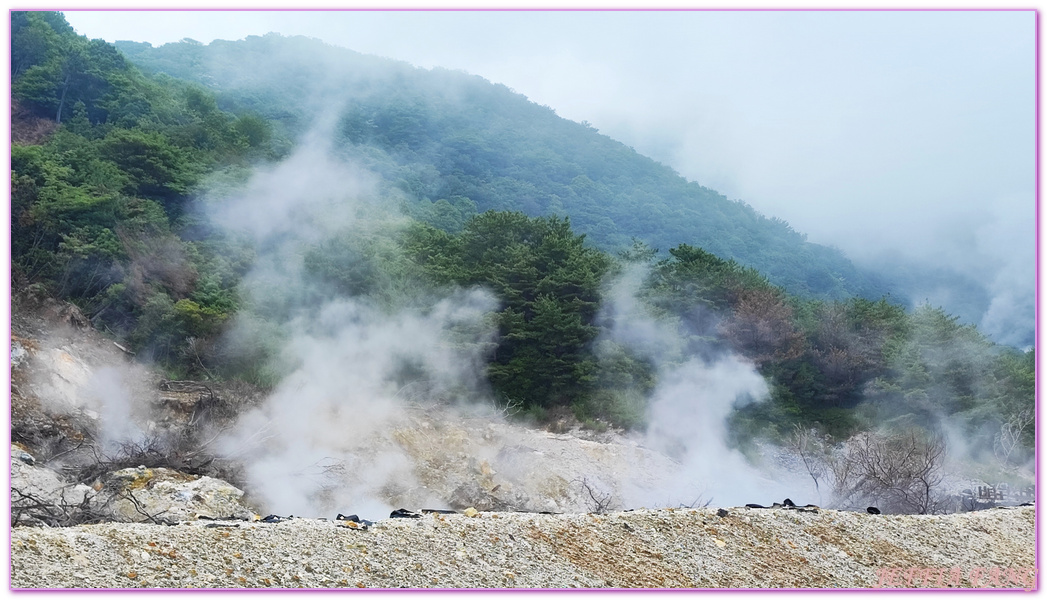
(320, 441)
(687, 412)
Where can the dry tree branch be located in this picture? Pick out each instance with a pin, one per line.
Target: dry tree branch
(1009, 438)
(128, 495)
(812, 452)
(597, 502)
(899, 472)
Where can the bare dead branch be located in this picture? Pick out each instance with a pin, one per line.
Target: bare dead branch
(129, 495)
(597, 502)
(898, 473)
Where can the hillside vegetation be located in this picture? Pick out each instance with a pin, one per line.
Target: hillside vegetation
(114, 164)
(458, 145)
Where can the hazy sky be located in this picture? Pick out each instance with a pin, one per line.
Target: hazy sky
(873, 131)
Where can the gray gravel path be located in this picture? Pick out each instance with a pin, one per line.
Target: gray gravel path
(643, 548)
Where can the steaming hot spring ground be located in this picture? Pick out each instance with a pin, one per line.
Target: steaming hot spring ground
(93, 451)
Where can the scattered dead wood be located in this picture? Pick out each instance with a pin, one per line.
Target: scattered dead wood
(31, 509)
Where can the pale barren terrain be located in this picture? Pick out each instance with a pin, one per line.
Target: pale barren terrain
(681, 548)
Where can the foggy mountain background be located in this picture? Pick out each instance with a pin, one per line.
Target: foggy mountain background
(449, 145)
(903, 138)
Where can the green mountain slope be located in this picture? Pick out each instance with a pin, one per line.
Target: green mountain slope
(457, 144)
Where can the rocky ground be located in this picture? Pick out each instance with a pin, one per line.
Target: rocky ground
(681, 548)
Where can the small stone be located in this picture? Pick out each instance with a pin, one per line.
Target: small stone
(471, 512)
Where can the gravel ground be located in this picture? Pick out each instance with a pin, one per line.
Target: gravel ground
(638, 549)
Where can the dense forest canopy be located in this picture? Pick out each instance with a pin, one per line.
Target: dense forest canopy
(120, 151)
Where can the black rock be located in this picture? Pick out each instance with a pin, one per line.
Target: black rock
(788, 502)
(276, 518)
(403, 513)
(754, 506)
(722, 513)
(354, 519)
(229, 518)
(872, 510)
(439, 511)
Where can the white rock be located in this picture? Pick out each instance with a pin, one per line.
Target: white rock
(18, 353)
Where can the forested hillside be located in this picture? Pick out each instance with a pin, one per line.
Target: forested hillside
(459, 145)
(111, 168)
(104, 166)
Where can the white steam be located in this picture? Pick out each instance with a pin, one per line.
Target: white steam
(688, 410)
(307, 197)
(316, 445)
(355, 424)
(687, 420)
(321, 441)
(110, 390)
(338, 433)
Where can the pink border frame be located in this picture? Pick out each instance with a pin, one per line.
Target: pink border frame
(1037, 337)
